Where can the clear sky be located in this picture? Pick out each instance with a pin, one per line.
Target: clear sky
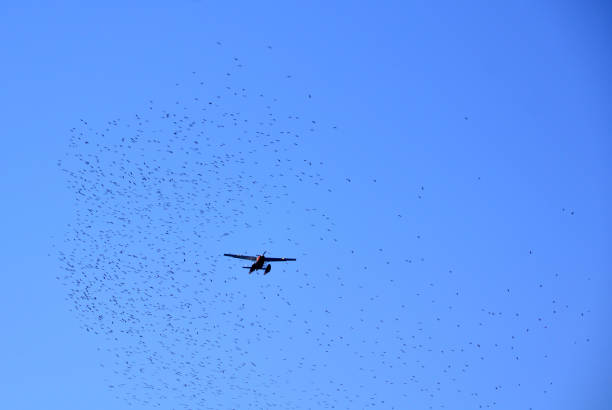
(440, 171)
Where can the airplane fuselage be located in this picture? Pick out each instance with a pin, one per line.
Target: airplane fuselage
(259, 263)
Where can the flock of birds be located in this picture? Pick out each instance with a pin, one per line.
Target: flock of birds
(160, 195)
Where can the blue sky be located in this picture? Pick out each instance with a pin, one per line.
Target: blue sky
(500, 250)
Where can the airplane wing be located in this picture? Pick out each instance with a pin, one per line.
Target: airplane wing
(279, 259)
(250, 258)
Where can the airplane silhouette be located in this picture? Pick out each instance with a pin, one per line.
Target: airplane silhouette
(260, 260)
